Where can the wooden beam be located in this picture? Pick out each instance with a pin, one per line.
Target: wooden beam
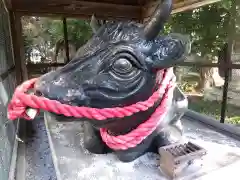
(179, 6)
(73, 8)
(75, 16)
(186, 63)
(66, 43)
(44, 65)
(191, 4)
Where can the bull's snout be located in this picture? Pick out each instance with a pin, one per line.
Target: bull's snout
(61, 88)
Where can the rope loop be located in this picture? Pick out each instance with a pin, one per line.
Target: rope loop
(21, 101)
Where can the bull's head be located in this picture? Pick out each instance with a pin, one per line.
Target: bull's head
(117, 66)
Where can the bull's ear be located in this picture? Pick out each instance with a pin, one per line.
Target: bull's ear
(173, 49)
(95, 24)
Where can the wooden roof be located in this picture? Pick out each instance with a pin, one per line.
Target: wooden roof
(123, 9)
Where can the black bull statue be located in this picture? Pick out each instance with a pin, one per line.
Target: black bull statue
(118, 67)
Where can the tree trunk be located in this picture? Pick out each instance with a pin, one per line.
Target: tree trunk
(61, 52)
(178, 73)
(206, 80)
(206, 75)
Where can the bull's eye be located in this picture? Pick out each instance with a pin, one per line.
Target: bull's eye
(122, 66)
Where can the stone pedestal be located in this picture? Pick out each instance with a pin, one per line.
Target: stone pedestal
(72, 161)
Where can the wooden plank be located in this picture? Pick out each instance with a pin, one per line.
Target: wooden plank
(191, 4)
(77, 8)
(179, 6)
(125, 2)
(75, 16)
(105, 9)
(44, 65)
(66, 43)
(186, 63)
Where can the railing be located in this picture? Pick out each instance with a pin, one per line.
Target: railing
(220, 106)
(220, 103)
(224, 100)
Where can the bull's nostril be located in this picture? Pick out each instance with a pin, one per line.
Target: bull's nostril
(38, 93)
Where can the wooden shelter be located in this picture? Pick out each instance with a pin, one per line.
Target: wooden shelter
(138, 10)
(106, 9)
(13, 67)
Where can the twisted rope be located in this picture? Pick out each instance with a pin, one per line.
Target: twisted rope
(135, 137)
(21, 101)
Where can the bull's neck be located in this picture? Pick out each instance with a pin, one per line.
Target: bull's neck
(127, 124)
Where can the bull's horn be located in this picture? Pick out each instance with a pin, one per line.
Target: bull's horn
(95, 24)
(156, 22)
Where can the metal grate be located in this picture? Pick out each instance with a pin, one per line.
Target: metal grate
(183, 149)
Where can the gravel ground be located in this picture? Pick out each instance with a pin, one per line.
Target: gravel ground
(39, 163)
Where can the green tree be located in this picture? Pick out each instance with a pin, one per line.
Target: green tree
(208, 28)
(43, 34)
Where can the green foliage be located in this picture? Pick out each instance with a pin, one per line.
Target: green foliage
(189, 82)
(213, 109)
(187, 87)
(43, 33)
(79, 31)
(234, 120)
(207, 26)
(54, 29)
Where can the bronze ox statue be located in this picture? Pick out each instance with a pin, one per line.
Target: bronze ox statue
(118, 67)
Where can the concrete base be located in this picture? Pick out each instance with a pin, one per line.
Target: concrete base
(73, 162)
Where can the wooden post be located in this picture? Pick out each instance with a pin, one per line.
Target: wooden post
(18, 70)
(65, 33)
(18, 47)
(228, 58)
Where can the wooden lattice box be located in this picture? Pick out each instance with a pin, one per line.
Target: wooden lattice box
(175, 158)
